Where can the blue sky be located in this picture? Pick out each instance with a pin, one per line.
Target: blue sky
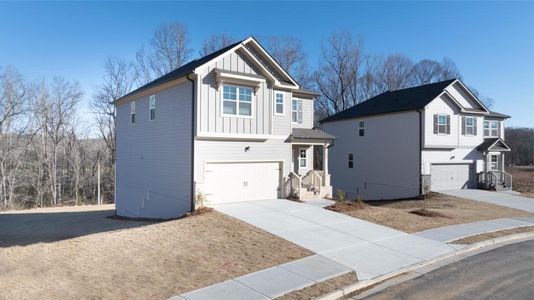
(491, 42)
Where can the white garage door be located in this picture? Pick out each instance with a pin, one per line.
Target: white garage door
(233, 182)
(451, 176)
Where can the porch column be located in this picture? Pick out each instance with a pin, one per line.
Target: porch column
(325, 165)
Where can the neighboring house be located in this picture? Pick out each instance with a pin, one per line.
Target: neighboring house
(403, 143)
(231, 126)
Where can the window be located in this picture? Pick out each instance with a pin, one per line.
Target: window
(237, 101)
(351, 161)
(469, 125)
(279, 104)
(296, 111)
(361, 128)
(302, 158)
(152, 108)
(442, 124)
(494, 162)
(486, 128)
(132, 112)
(494, 128)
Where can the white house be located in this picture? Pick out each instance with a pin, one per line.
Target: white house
(230, 126)
(403, 143)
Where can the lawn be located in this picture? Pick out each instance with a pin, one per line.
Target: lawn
(446, 210)
(522, 180)
(81, 253)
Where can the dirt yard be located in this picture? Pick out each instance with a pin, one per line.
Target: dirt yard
(492, 235)
(522, 180)
(447, 210)
(81, 253)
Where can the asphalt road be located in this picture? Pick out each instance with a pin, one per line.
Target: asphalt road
(503, 273)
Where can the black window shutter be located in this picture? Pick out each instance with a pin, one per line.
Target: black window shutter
(463, 125)
(448, 124)
(475, 124)
(435, 124)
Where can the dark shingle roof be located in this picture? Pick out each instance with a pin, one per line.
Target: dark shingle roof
(499, 115)
(489, 142)
(304, 133)
(394, 101)
(183, 70)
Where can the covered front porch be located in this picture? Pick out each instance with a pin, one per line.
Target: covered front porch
(493, 176)
(309, 177)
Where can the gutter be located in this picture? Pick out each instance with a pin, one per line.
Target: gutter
(420, 152)
(193, 119)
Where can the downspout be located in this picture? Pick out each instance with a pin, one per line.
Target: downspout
(420, 152)
(193, 125)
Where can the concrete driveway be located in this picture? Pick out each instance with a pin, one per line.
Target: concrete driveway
(369, 249)
(503, 199)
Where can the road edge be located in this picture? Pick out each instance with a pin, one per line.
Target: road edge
(472, 249)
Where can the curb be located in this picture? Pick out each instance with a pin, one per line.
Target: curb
(349, 289)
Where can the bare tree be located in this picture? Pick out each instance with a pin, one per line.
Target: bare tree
(288, 52)
(215, 42)
(170, 49)
(338, 72)
(120, 78)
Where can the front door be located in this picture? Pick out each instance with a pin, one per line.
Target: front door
(493, 162)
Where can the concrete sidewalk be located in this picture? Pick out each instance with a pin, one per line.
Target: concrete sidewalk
(454, 232)
(502, 199)
(367, 248)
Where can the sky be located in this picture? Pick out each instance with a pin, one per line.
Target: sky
(491, 42)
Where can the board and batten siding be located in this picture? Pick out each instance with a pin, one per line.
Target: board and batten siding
(210, 117)
(154, 157)
(386, 158)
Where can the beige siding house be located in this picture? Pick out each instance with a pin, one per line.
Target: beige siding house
(231, 126)
(403, 143)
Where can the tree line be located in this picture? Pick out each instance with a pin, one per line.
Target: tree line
(48, 157)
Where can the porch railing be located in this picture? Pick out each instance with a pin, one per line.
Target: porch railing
(498, 180)
(295, 182)
(313, 180)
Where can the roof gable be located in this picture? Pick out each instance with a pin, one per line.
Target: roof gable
(493, 144)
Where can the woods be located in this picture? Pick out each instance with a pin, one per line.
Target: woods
(48, 157)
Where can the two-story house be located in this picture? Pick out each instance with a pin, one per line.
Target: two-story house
(403, 143)
(230, 126)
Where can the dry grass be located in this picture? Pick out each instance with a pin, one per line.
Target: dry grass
(492, 235)
(139, 260)
(522, 180)
(447, 210)
(321, 288)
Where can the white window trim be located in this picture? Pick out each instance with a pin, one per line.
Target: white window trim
(283, 104)
(491, 162)
(301, 105)
(445, 125)
(361, 126)
(305, 158)
(132, 112)
(484, 128)
(237, 115)
(491, 129)
(472, 126)
(151, 99)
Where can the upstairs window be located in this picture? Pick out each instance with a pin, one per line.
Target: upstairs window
(279, 104)
(351, 161)
(296, 111)
(361, 128)
(302, 158)
(442, 124)
(495, 128)
(132, 112)
(152, 108)
(469, 126)
(491, 128)
(237, 101)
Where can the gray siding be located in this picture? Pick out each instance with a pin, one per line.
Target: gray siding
(307, 114)
(210, 116)
(386, 159)
(270, 150)
(154, 157)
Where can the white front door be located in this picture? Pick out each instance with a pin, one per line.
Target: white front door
(246, 181)
(451, 176)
